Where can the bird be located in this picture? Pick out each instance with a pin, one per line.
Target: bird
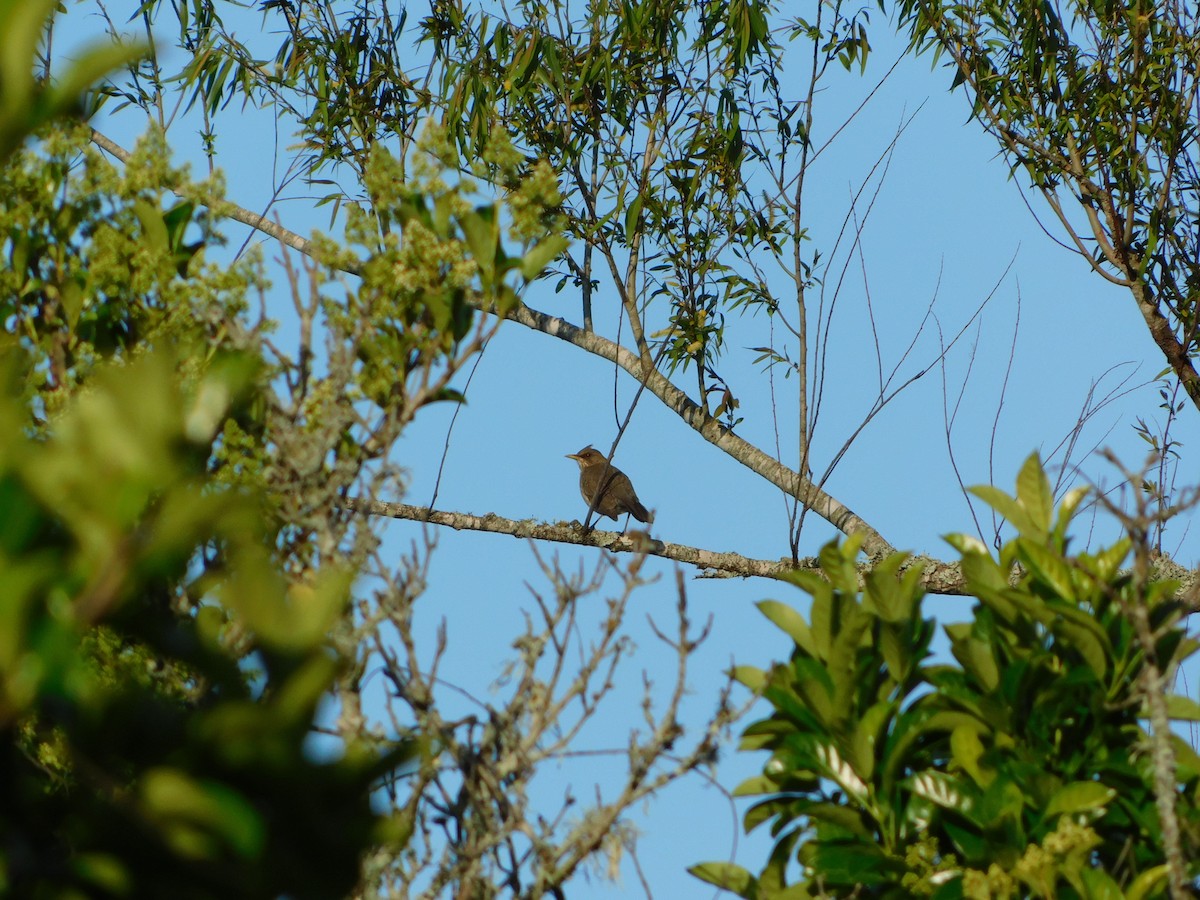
(616, 496)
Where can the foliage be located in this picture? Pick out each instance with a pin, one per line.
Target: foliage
(1024, 768)
(659, 121)
(1094, 102)
(179, 547)
(141, 757)
(159, 678)
(185, 615)
(96, 267)
(166, 653)
(29, 101)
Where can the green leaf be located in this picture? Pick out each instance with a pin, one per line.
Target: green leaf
(756, 786)
(967, 544)
(177, 219)
(481, 231)
(890, 595)
(199, 818)
(448, 395)
(1184, 708)
(297, 698)
(895, 645)
(841, 771)
(1099, 885)
(727, 876)
(846, 818)
(1084, 634)
(1047, 566)
(1151, 883)
(536, 260)
(847, 863)
(1034, 494)
(999, 805)
(853, 632)
(777, 807)
(864, 740)
(89, 66)
(1107, 563)
(814, 685)
(71, 295)
(753, 678)
(631, 218)
(915, 726)
(966, 749)
(790, 622)
(104, 872)
(945, 790)
(1010, 509)
(1079, 796)
(975, 655)
(969, 843)
(837, 560)
(154, 229)
(1066, 511)
(313, 608)
(1187, 761)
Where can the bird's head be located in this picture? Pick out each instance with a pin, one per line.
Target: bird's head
(588, 456)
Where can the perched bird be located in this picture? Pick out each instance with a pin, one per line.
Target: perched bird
(616, 494)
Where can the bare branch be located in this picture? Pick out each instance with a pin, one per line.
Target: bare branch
(939, 577)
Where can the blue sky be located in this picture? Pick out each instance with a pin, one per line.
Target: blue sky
(948, 224)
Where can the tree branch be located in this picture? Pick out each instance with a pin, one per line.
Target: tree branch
(762, 464)
(939, 577)
(824, 505)
(232, 210)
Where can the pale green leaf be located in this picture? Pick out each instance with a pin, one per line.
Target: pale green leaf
(1151, 883)
(1181, 707)
(1079, 796)
(727, 876)
(1034, 493)
(533, 262)
(790, 622)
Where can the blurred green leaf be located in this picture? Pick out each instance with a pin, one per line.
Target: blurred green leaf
(1080, 796)
(727, 876)
(790, 622)
(533, 262)
(194, 814)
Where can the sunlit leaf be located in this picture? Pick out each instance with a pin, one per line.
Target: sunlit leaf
(1079, 796)
(788, 620)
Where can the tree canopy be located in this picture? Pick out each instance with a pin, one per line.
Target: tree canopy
(232, 632)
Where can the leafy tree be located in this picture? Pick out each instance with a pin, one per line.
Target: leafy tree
(167, 622)
(1094, 104)
(160, 677)
(658, 161)
(180, 544)
(1024, 768)
(141, 757)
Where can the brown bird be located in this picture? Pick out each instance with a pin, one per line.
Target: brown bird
(616, 496)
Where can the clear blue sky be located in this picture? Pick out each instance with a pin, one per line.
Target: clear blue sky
(947, 223)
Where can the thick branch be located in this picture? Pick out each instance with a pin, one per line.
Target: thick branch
(1168, 342)
(939, 577)
(709, 428)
